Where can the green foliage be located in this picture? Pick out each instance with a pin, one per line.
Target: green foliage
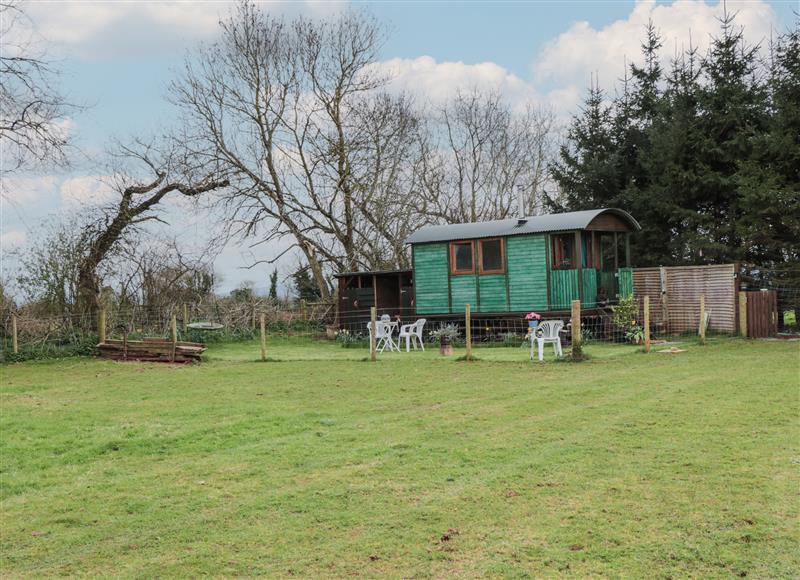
(221, 335)
(635, 335)
(273, 284)
(304, 286)
(244, 293)
(350, 339)
(448, 331)
(626, 313)
(76, 343)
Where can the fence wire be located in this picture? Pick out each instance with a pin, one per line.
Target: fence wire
(311, 330)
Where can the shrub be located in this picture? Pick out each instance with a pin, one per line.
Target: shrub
(625, 315)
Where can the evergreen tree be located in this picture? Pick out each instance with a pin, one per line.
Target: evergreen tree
(636, 110)
(305, 288)
(273, 284)
(586, 169)
(666, 204)
(770, 179)
(733, 113)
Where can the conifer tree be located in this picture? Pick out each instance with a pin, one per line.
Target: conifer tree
(586, 169)
(273, 284)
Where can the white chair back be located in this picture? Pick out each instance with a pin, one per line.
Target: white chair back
(550, 328)
(381, 328)
(418, 326)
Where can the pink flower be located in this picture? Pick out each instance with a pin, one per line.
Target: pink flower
(533, 316)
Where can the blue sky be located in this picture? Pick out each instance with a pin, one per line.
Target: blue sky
(118, 58)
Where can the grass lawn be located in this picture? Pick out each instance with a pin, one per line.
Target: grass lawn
(627, 465)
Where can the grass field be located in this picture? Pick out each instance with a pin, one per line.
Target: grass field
(627, 465)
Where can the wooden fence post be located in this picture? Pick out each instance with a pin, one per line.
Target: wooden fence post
(646, 307)
(577, 349)
(468, 319)
(373, 321)
(101, 325)
(665, 321)
(702, 330)
(743, 314)
(185, 318)
(14, 343)
(303, 312)
(263, 337)
(174, 329)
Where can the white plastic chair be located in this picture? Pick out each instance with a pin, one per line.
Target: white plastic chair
(413, 334)
(548, 331)
(383, 336)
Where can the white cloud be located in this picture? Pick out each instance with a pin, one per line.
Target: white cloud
(12, 239)
(112, 29)
(567, 61)
(26, 190)
(433, 82)
(106, 29)
(86, 190)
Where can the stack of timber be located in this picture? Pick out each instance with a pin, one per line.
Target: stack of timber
(154, 349)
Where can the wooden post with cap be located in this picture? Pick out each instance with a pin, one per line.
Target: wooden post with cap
(743, 314)
(174, 329)
(702, 330)
(373, 321)
(577, 349)
(263, 337)
(468, 333)
(646, 308)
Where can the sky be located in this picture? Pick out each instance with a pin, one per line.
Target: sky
(118, 58)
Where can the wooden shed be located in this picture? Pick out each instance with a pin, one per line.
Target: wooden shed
(391, 291)
(537, 263)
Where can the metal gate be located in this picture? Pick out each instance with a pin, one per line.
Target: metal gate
(762, 314)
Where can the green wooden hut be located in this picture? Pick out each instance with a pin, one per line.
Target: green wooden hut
(538, 263)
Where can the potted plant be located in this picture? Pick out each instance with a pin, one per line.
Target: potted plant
(446, 333)
(533, 319)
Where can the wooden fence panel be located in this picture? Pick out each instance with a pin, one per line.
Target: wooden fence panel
(675, 296)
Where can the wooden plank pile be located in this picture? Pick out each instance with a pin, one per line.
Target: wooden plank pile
(152, 349)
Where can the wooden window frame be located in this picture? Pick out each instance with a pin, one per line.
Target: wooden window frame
(453, 270)
(557, 254)
(502, 269)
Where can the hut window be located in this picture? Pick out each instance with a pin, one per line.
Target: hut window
(563, 251)
(461, 261)
(491, 256)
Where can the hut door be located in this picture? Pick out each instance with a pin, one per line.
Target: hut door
(762, 314)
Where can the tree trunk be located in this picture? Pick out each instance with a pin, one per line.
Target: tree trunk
(88, 295)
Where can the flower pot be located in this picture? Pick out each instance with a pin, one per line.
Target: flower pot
(445, 348)
(533, 323)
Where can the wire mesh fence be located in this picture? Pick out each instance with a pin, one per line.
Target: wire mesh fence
(310, 330)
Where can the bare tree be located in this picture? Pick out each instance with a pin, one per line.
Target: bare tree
(170, 170)
(480, 155)
(48, 265)
(32, 111)
(295, 113)
(160, 274)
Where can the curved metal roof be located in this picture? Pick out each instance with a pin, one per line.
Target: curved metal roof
(554, 222)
